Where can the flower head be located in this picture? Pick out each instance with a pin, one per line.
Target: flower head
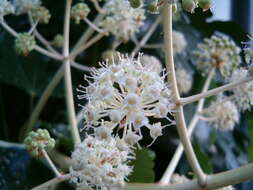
(220, 53)
(179, 42)
(126, 94)
(100, 163)
(222, 114)
(24, 43)
(40, 14)
(243, 94)
(121, 19)
(176, 178)
(184, 80)
(36, 141)
(152, 63)
(6, 8)
(24, 6)
(79, 12)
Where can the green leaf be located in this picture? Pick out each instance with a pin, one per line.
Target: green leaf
(203, 159)
(31, 74)
(250, 146)
(143, 166)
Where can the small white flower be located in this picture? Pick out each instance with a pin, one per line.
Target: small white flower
(248, 54)
(24, 6)
(121, 19)
(151, 63)
(179, 42)
(155, 130)
(6, 8)
(99, 163)
(220, 53)
(222, 114)
(133, 95)
(184, 80)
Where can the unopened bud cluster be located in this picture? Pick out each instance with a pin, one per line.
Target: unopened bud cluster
(58, 41)
(79, 12)
(37, 141)
(41, 14)
(191, 5)
(24, 43)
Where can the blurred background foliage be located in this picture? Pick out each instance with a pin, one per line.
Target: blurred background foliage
(23, 79)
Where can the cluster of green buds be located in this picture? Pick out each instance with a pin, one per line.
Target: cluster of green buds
(191, 5)
(79, 12)
(41, 14)
(37, 141)
(24, 43)
(58, 41)
(6, 8)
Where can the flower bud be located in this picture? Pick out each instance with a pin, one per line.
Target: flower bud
(41, 14)
(37, 141)
(189, 5)
(153, 8)
(205, 4)
(135, 3)
(58, 41)
(24, 43)
(174, 7)
(79, 12)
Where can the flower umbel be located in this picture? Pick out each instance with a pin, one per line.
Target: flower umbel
(37, 141)
(5, 8)
(100, 163)
(127, 94)
(222, 114)
(220, 53)
(24, 43)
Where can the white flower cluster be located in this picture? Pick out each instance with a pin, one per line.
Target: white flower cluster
(126, 94)
(6, 8)
(248, 54)
(100, 163)
(243, 94)
(151, 62)
(184, 80)
(24, 6)
(121, 19)
(220, 53)
(222, 114)
(179, 42)
(227, 188)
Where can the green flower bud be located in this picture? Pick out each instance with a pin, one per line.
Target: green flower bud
(79, 12)
(205, 4)
(37, 141)
(58, 41)
(41, 14)
(174, 7)
(24, 43)
(153, 8)
(189, 5)
(135, 3)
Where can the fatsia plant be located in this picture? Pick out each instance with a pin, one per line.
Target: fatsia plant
(130, 92)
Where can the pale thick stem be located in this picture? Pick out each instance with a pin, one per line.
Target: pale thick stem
(180, 149)
(51, 164)
(216, 181)
(93, 26)
(214, 92)
(81, 67)
(44, 98)
(147, 35)
(179, 115)
(86, 45)
(52, 182)
(67, 77)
